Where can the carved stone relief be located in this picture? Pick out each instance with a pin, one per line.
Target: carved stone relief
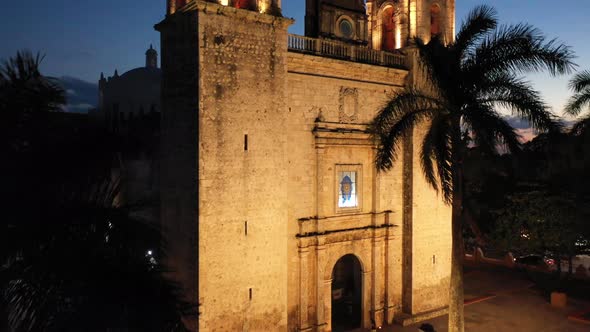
(348, 111)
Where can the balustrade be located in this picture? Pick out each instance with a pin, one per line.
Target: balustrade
(340, 50)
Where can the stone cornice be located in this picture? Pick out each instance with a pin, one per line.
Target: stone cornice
(241, 14)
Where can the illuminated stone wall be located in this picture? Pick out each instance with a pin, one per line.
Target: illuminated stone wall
(316, 87)
(413, 18)
(321, 137)
(253, 137)
(242, 171)
(234, 62)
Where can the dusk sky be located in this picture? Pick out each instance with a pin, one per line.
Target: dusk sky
(82, 38)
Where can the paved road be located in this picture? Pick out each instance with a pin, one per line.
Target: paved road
(516, 307)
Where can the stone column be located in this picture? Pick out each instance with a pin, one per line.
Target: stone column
(378, 278)
(389, 273)
(303, 288)
(321, 309)
(327, 304)
(368, 304)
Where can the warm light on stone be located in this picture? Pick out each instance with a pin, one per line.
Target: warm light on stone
(268, 171)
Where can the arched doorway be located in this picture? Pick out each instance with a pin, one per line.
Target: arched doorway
(347, 290)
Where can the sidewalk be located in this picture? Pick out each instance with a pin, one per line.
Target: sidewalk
(514, 306)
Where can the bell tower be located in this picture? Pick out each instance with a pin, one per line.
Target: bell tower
(344, 20)
(428, 18)
(380, 24)
(393, 23)
(272, 7)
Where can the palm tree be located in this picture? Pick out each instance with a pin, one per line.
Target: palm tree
(580, 84)
(469, 79)
(26, 98)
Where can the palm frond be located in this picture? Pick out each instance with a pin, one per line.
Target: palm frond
(505, 90)
(401, 103)
(581, 127)
(577, 102)
(489, 130)
(521, 48)
(436, 155)
(479, 21)
(404, 111)
(436, 63)
(580, 82)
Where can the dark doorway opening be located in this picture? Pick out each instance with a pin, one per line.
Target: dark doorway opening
(347, 293)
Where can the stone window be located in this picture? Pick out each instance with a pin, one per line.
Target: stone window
(348, 188)
(345, 27)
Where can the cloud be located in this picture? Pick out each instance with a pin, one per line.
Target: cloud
(79, 108)
(81, 95)
(518, 123)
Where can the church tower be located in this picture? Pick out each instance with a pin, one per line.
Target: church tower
(393, 23)
(223, 143)
(151, 58)
(275, 216)
(381, 24)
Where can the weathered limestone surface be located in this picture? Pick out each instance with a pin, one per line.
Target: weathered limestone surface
(253, 137)
(243, 189)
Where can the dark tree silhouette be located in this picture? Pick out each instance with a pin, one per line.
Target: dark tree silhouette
(26, 98)
(580, 85)
(468, 79)
(71, 257)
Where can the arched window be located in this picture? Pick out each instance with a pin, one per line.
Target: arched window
(435, 20)
(388, 29)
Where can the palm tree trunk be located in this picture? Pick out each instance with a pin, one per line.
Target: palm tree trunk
(456, 296)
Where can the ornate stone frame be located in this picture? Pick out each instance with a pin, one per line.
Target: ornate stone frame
(342, 116)
(352, 24)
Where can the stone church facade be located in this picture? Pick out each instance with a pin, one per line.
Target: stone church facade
(275, 215)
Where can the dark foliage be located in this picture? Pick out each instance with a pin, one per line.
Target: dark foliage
(71, 257)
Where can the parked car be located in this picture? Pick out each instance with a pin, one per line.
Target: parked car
(538, 261)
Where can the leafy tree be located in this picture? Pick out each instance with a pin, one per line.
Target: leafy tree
(469, 79)
(541, 221)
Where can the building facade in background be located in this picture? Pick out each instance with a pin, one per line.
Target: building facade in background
(129, 107)
(276, 217)
(134, 94)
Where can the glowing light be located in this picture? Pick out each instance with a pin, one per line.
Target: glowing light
(398, 35)
(225, 2)
(149, 252)
(263, 7)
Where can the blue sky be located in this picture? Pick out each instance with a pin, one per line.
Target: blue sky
(82, 38)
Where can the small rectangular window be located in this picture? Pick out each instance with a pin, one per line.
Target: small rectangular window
(347, 191)
(348, 188)
(245, 142)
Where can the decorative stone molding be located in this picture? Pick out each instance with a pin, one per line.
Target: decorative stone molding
(348, 111)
